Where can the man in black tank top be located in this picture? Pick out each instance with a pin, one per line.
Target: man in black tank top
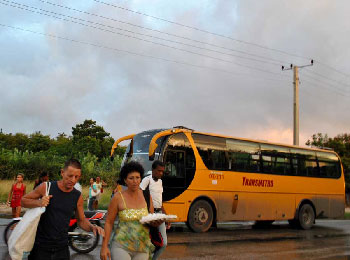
(51, 240)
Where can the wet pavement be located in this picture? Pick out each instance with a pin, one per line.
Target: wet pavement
(329, 239)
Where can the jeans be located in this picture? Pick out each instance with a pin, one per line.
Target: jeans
(158, 252)
(91, 202)
(39, 253)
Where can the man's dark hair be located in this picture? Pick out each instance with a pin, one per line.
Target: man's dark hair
(43, 174)
(157, 163)
(72, 162)
(129, 168)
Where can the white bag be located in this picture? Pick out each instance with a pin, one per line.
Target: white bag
(95, 194)
(22, 238)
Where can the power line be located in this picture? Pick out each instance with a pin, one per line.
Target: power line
(162, 32)
(201, 30)
(329, 79)
(138, 54)
(327, 88)
(327, 84)
(334, 69)
(221, 35)
(128, 31)
(129, 36)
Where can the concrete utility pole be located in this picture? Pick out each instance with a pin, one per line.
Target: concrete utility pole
(296, 100)
(296, 107)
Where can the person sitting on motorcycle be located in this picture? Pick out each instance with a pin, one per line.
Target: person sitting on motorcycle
(51, 239)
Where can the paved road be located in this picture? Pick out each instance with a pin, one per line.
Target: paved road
(329, 239)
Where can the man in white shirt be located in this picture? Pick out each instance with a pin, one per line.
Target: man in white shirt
(154, 182)
(78, 187)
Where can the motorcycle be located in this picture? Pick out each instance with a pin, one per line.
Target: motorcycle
(79, 240)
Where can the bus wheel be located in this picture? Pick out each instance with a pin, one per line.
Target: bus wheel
(306, 216)
(200, 217)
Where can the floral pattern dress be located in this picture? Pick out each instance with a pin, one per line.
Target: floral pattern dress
(130, 233)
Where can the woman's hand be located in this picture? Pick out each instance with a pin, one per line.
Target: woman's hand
(156, 223)
(105, 254)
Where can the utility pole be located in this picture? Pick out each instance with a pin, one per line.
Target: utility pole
(296, 100)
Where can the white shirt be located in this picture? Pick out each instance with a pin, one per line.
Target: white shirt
(77, 186)
(155, 188)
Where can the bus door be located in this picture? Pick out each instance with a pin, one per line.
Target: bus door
(179, 166)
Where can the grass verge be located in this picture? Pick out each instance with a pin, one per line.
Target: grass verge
(5, 187)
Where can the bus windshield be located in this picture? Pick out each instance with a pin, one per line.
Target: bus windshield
(138, 149)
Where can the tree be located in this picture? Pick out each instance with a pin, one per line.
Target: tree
(318, 140)
(38, 142)
(89, 128)
(91, 138)
(62, 145)
(340, 144)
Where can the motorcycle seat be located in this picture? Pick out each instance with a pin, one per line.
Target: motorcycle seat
(89, 214)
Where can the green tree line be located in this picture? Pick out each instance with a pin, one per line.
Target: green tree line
(91, 144)
(35, 153)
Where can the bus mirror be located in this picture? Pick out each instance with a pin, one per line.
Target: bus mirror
(112, 158)
(151, 157)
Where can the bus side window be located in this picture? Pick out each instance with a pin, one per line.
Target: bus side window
(329, 165)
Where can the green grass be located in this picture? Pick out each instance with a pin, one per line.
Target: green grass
(5, 186)
(104, 200)
(347, 215)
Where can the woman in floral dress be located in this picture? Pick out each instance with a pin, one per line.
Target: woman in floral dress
(131, 239)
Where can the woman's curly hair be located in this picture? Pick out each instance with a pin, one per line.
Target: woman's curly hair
(130, 167)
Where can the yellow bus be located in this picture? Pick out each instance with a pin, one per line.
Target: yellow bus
(212, 178)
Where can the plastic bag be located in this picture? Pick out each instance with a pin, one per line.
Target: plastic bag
(95, 194)
(22, 237)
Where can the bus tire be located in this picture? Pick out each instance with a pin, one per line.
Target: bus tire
(200, 216)
(306, 216)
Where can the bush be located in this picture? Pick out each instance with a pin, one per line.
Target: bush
(32, 164)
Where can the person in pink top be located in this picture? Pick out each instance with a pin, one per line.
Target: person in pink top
(17, 191)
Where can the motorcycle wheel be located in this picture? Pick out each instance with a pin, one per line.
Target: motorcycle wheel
(8, 230)
(85, 242)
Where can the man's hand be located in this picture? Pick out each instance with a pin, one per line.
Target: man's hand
(97, 230)
(45, 200)
(156, 223)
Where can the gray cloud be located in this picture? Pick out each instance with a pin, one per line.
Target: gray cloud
(50, 84)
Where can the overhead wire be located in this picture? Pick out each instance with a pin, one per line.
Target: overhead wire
(320, 82)
(326, 87)
(151, 36)
(141, 39)
(20, 6)
(334, 69)
(326, 78)
(166, 33)
(138, 54)
(221, 35)
(202, 30)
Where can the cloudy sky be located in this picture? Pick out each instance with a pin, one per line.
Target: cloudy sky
(213, 66)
